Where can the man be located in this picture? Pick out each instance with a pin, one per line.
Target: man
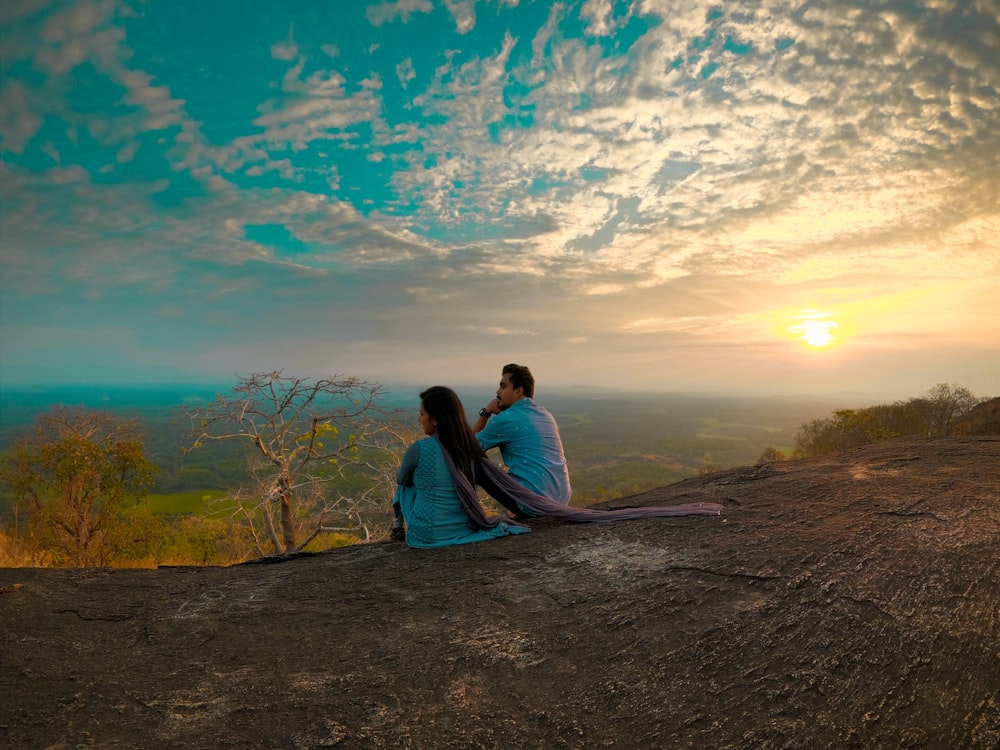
(526, 435)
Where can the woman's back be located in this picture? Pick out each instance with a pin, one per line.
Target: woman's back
(434, 514)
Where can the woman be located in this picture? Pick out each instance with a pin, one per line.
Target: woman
(437, 493)
(435, 513)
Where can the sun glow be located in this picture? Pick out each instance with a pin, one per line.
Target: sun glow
(814, 328)
(818, 333)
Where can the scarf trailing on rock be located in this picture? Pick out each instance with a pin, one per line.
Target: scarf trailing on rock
(499, 481)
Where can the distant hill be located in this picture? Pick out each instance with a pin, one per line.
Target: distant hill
(616, 444)
(19, 406)
(844, 601)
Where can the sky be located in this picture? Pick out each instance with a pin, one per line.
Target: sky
(657, 195)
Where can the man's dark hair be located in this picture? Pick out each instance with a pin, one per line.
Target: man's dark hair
(521, 377)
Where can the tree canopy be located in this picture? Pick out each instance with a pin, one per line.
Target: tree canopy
(930, 414)
(70, 478)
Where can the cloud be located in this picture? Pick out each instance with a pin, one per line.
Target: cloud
(464, 13)
(498, 331)
(604, 288)
(563, 176)
(405, 72)
(383, 13)
(599, 14)
(18, 123)
(286, 50)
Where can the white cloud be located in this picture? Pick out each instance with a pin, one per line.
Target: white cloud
(18, 123)
(498, 331)
(286, 49)
(383, 13)
(598, 12)
(464, 13)
(405, 71)
(604, 288)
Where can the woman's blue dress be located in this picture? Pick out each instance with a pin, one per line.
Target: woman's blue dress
(433, 513)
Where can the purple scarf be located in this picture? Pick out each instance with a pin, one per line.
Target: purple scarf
(541, 505)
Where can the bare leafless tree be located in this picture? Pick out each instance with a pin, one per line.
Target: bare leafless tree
(943, 404)
(319, 451)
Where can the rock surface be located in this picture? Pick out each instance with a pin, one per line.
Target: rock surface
(846, 601)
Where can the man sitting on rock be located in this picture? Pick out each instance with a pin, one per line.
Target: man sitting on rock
(527, 436)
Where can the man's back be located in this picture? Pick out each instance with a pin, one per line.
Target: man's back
(528, 439)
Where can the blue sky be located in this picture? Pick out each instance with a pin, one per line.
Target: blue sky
(654, 195)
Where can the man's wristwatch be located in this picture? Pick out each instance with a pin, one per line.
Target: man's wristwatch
(484, 413)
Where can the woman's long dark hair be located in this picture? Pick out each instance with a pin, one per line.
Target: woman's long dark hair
(453, 431)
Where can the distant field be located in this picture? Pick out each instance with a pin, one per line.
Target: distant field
(616, 444)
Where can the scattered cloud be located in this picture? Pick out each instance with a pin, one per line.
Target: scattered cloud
(566, 177)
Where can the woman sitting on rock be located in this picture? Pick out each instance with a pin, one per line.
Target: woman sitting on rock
(436, 513)
(436, 492)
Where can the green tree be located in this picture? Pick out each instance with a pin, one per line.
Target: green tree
(319, 451)
(70, 479)
(848, 428)
(136, 537)
(198, 540)
(770, 455)
(932, 414)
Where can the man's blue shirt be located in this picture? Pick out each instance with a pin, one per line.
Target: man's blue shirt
(532, 450)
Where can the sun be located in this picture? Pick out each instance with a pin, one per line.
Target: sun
(815, 329)
(818, 333)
